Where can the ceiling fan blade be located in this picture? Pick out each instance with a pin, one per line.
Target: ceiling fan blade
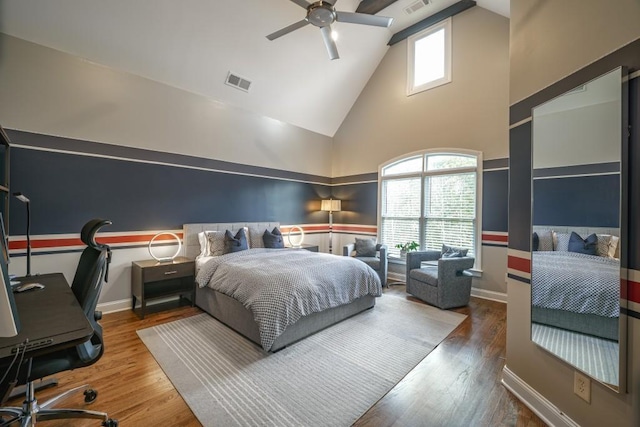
(287, 30)
(364, 19)
(331, 2)
(329, 43)
(301, 3)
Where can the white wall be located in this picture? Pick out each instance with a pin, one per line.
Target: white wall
(50, 92)
(579, 136)
(470, 112)
(550, 40)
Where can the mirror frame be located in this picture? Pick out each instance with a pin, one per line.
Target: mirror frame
(623, 229)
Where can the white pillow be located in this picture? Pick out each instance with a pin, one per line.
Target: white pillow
(608, 246)
(204, 244)
(614, 247)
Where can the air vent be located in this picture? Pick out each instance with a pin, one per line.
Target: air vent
(238, 82)
(416, 6)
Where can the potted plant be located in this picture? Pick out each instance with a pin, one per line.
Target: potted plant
(407, 247)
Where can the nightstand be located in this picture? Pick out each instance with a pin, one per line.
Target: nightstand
(310, 248)
(151, 279)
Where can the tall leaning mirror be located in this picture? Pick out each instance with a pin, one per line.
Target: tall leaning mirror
(576, 228)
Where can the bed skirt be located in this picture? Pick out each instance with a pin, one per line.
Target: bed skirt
(233, 314)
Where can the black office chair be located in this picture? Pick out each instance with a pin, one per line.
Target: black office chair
(93, 267)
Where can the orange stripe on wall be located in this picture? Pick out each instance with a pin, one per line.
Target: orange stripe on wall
(633, 291)
(75, 241)
(356, 228)
(520, 264)
(495, 238)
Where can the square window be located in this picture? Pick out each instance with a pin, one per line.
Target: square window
(429, 58)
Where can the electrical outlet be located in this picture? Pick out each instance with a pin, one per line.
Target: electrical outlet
(582, 386)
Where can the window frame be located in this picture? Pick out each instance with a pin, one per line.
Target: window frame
(422, 175)
(411, 42)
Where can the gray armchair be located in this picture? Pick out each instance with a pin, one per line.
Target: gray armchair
(379, 263)
(445, 284)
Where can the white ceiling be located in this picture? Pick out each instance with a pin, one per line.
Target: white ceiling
(193, 44)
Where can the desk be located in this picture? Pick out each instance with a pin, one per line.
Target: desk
(50, 318)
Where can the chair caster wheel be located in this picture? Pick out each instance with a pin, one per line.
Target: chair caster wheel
(110, 423)
(90, 395)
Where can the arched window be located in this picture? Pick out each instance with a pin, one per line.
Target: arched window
(432, 197)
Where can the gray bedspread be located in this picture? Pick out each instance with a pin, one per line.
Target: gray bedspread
(576, 282)
(280, 285)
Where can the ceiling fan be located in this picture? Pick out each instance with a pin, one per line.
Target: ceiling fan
(322, 14)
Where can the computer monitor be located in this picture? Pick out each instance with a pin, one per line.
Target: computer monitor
(9, 322)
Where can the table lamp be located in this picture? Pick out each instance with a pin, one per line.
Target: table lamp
(25, 199)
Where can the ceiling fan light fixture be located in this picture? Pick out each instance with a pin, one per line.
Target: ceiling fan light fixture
(321, 14)
(334, 35)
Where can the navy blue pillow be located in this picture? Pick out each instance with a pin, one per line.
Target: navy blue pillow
(273, 239)
(587, 246)
(453, 252)
(536, 242)
(235, 243)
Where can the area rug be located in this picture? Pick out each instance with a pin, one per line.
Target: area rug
(328, 379)
(595, 356)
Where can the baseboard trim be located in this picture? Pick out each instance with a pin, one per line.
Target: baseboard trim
(115, 306)
(125, 304)
(542, 407)
(490, 295)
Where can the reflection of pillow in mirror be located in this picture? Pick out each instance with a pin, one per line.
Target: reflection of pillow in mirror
(614, 247)
(561, 241)
(588, 246)
(604, 241)
(545, 238)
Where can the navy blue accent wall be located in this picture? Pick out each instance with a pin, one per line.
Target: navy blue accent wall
(520, 187)
(360, 203)
(67, 190)
(495, 200)
(584, 201)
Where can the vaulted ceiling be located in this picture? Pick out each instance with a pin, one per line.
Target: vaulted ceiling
(194, 44)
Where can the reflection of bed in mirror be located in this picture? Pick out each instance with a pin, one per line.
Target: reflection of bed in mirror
(575, 291)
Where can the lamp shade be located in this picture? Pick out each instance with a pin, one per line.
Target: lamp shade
(331, 205)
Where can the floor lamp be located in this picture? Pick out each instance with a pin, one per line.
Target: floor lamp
(331, 206)
(24, 199)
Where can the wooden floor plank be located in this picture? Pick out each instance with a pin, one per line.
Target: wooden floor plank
(458, 384)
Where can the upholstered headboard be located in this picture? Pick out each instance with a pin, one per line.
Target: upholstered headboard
(191, 247)
(582, 231)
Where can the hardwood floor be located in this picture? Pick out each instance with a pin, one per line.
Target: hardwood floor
(458, 384)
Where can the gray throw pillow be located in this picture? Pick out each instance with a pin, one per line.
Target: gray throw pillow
(453, 252)
(273, 239)
(235, 243)
(365, 247)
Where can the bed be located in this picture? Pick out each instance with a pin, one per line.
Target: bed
(576, 292)
(225, 283)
